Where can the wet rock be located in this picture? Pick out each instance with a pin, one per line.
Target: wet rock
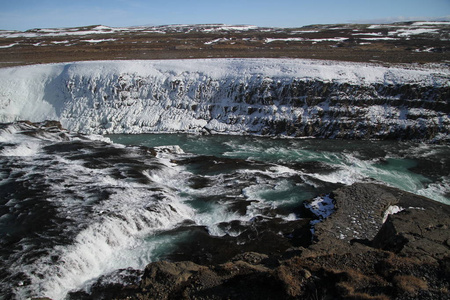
(416, 232)
(359, 211)
(270, 237)
(121, 282)
(186, 280)
(253, 258)
(162, 278)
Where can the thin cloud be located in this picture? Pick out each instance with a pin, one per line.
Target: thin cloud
(58, 17)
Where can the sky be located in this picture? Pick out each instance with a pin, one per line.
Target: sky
(29, 14)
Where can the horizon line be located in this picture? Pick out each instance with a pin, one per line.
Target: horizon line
(356, 22)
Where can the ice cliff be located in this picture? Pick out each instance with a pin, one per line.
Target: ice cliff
(287, 97)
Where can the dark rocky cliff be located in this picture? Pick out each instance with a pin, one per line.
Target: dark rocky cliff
(335, 110)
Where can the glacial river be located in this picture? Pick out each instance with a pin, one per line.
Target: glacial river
(415, 167)
(79, 211)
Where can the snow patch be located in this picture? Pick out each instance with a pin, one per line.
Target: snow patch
(98, 41)
(412, 31)
(322, 206)
(8, 46)
(230, 28)
(336, 39)
(216, 41)
(384, 38)
(392, 210)
(271, 40)
(432, 23)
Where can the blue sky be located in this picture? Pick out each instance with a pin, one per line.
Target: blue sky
(28, 14)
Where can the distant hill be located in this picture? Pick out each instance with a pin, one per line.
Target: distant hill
(407, 42)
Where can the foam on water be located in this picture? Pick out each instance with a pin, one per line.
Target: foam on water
(215, 216)
(393, 172)
(17, 145)
(353, 168)
(103, 247)
(23, 149)
(274, 194)
(280, 154)
(439, 191)
(349, 162)
(211, 213)
(106, 215)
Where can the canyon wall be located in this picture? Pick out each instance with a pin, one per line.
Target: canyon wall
(295, 98)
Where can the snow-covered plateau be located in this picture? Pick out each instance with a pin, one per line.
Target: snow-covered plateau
(288, 97)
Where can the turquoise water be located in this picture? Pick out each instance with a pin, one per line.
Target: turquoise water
(414, 167)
